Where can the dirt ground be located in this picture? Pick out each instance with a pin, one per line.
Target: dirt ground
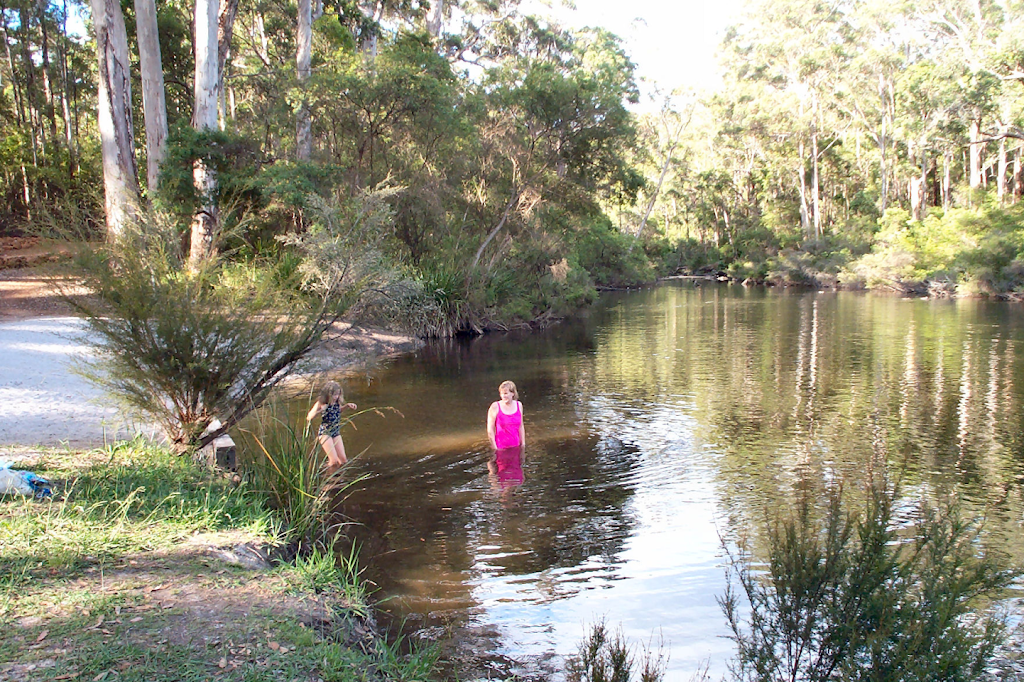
(26, 288)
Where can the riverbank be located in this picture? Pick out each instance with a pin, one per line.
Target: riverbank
(145, 567)
(44, 402)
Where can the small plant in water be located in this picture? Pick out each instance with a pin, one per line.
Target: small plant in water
(605, 657)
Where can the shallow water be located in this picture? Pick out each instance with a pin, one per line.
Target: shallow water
(667, 421)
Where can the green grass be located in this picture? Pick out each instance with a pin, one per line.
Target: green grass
(136, 497)
(112, 580)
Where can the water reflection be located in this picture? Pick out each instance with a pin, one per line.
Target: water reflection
(666, 420)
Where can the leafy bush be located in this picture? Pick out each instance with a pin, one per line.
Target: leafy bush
(602, 657)
(184, 348)
(611, 258)
(972, 251)
(693, 257)
(864, 595)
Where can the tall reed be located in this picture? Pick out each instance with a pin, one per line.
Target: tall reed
(281, 457)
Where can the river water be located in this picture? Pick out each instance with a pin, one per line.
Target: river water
(664, 423)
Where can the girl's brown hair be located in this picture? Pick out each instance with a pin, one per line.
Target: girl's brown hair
(510, 386)
(331, 389)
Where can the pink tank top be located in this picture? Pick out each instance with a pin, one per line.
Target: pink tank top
(506, 428)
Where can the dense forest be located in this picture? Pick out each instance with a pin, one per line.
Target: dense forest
(511, 167)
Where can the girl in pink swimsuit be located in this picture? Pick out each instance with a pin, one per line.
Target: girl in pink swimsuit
(505, 419)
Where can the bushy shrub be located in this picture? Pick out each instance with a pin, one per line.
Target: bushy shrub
(184, 348)
(607, 657)
(692, 257)
(805, 267)
(865, 595)
(969, 250)
(611, 258)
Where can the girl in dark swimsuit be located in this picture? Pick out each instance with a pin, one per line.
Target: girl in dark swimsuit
(330, 404)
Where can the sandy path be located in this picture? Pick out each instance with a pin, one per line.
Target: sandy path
(42, 401)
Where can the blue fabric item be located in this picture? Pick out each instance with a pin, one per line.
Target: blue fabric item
(23, 483)
(40, 486)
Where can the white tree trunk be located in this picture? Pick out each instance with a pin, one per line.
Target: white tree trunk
(916, 190)
(303, 54)
(976, 149)
(204, 117)
(225, 29)
(815, 185)
(120, 173)
(805, 222)
(1003, 165)
(435, 18)
(154, 106)
(1016, 188)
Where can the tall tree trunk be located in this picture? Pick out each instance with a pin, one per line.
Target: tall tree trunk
(204, 118)
(49, 105)
(1001, 169)
(976, 149)
(303, 53)
(19, 103)
(665, 166)
(815, 184)
(1017, 172)
(120, 173)
(435, 18)
(369, 30)
(225, 30)
(883, 147)
(65, 98)
(28, 65)
(154, 106)
(805, 221)
(947, 164)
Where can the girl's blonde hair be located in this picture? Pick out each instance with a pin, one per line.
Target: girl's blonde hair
(510, 386)
(331, 389)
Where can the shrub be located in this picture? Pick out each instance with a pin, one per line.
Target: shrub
(184, 348)
(611, 258)
(866, 596)
(603, 657)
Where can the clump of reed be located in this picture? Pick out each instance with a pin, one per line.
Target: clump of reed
(603, 656)
(282, 460)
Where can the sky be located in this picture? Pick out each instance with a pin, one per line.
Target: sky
(672, 42)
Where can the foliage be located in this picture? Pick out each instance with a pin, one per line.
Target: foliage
(611, 258)
(976, 250)
(133, 496)
(184, 348)
(866, 594)
(603, 657)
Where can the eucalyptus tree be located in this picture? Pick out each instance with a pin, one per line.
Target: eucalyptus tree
(204, 119)
(556, 121)
(154, 102)
(664, 134)
(114, 102)
(793, 52)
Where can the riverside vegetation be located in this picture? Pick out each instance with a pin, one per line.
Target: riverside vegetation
(123, 575)
(126, 573)
(856, 145)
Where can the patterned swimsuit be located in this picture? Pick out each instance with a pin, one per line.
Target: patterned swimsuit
(330, 421)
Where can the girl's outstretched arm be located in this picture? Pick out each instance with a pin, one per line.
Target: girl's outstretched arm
(350, 406)
(314, 411)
